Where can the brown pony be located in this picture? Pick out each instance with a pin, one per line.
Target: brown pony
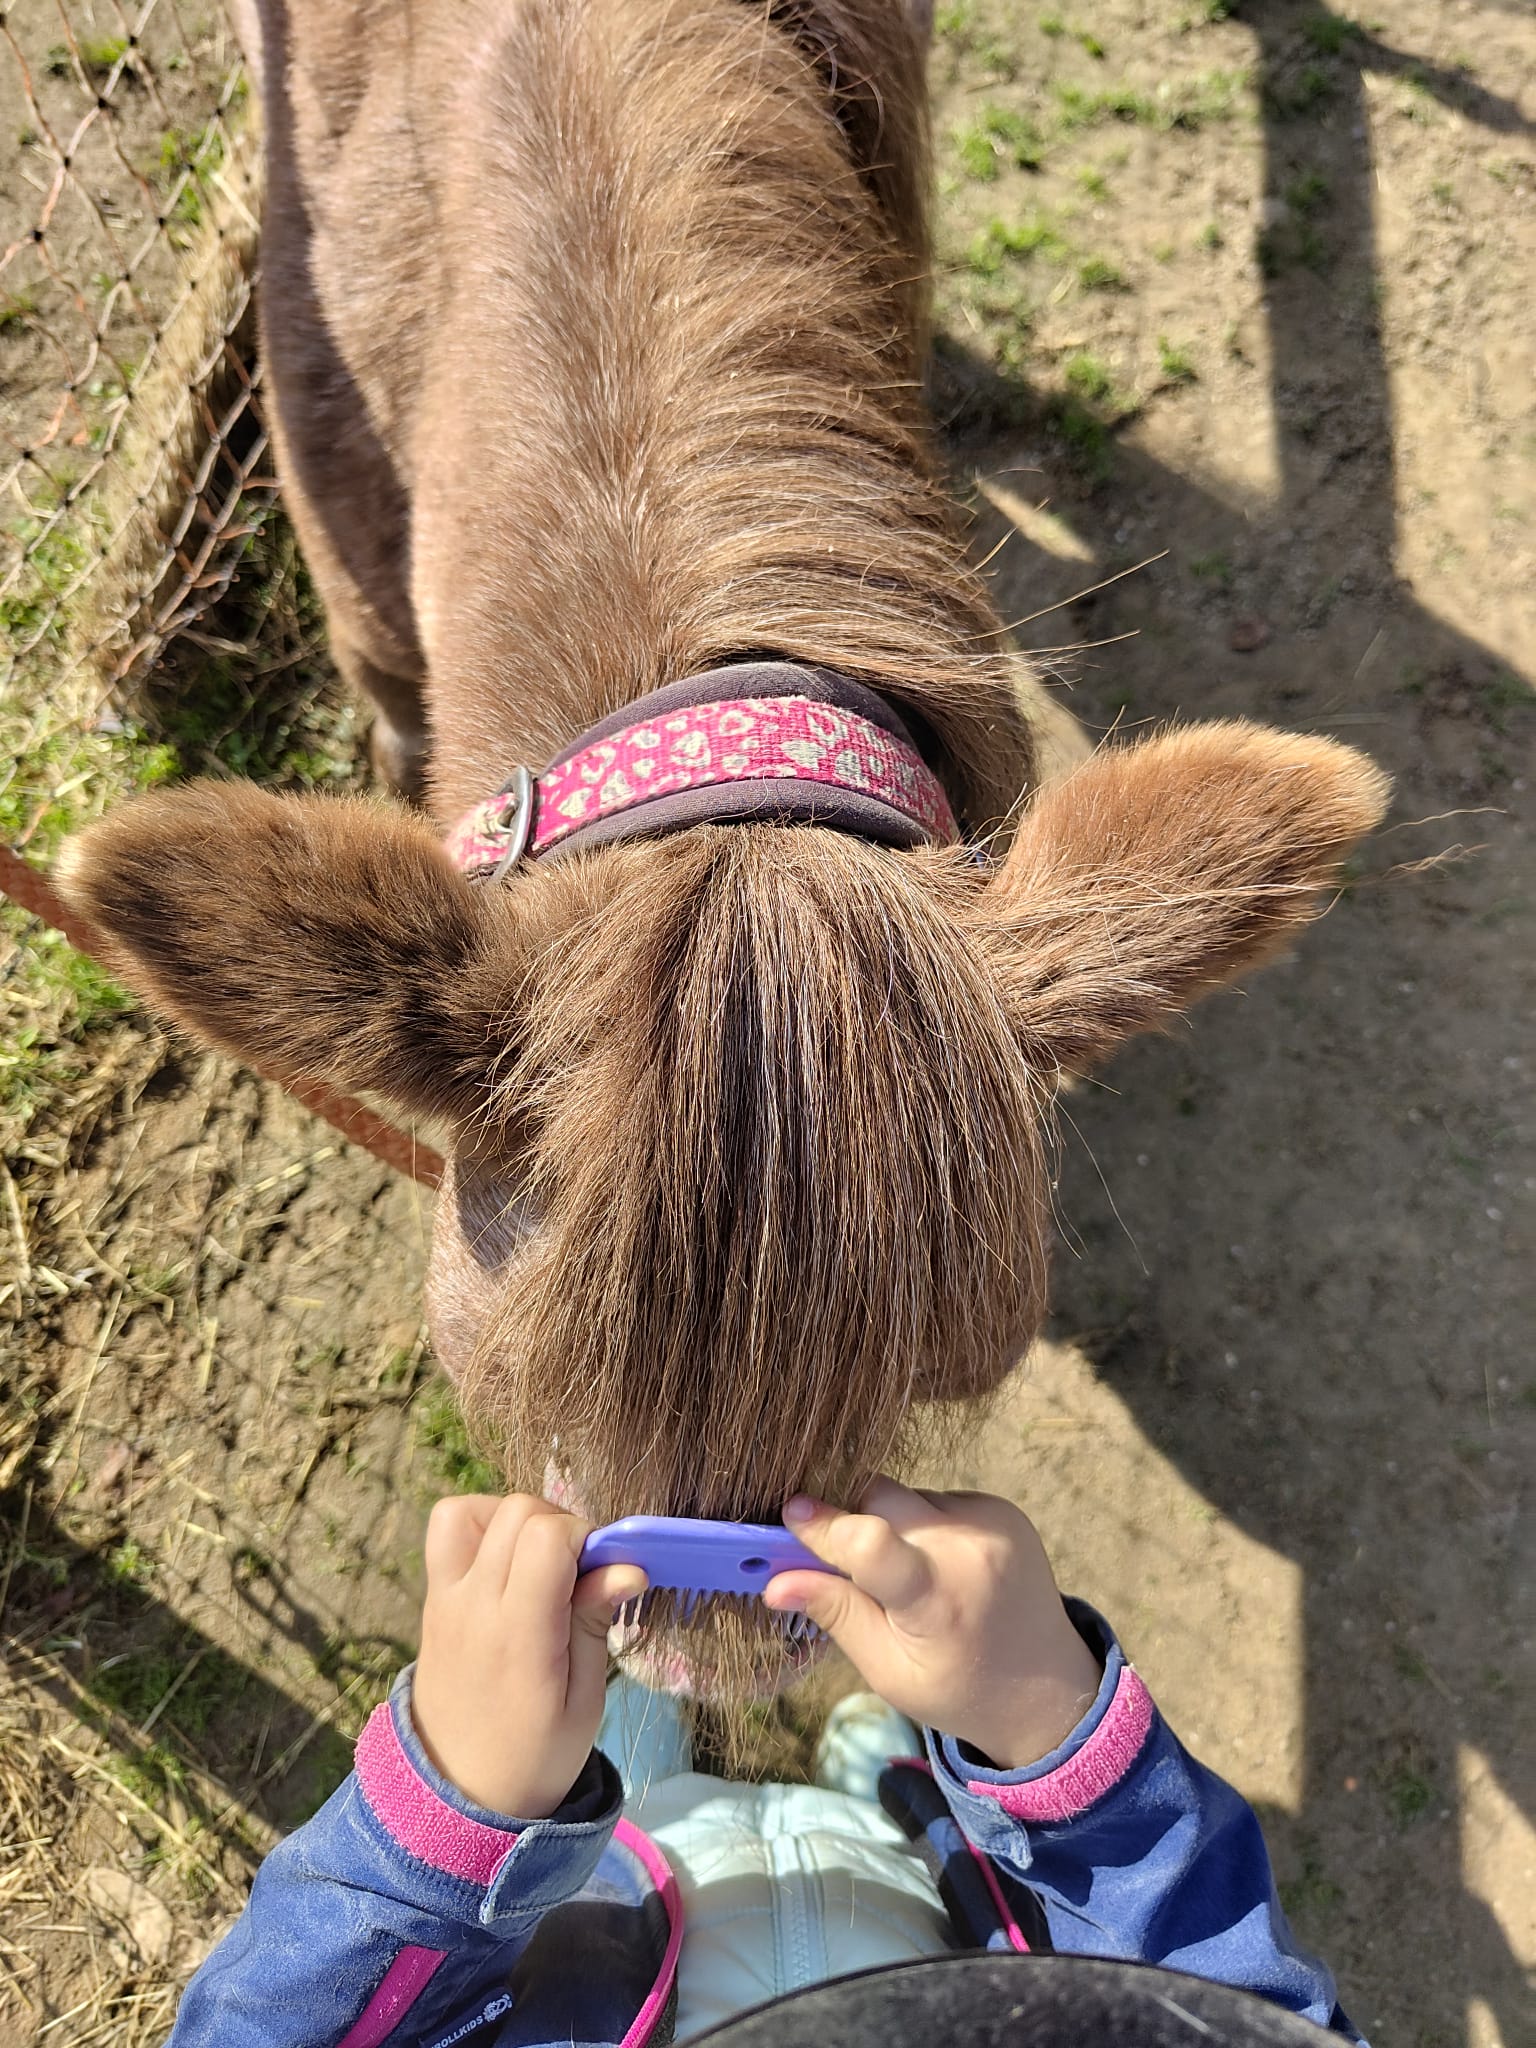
(594, 332)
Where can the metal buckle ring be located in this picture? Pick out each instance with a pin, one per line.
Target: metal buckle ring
(515, 819)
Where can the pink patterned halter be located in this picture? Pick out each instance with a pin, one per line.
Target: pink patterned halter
(755, 741)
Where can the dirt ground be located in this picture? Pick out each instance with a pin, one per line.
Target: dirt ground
(1237, 294)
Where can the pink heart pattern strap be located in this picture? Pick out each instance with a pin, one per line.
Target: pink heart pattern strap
(762, 740)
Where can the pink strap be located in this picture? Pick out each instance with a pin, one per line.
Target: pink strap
(659, 1871)
(789, 739)
(1089, 1772)
(404, 1981)
(420, 1822)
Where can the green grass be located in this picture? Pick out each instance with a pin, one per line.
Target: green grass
(440, 1429)
(1211, 236)
(1188, 104)
(1314, 86)
(1052, 25)
(1305, 194)
(1176, 363)
(1409, 1794)
(274, 716)
(1086, 439)
(1312, 1896)
(196, 153)
(17, 311)
(97, 55)
(201, 1682)
(1092, 180)
(1096, 274)
(1001, 241)
(996, 140)
(1329, 33)
(1214, 569)
(959, 25)
(1088, 378)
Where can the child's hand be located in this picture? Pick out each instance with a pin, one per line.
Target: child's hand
(950, 1613)
(508, 1689)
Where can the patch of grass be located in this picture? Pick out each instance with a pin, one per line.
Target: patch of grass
(997, 139)
(1313, 1895)
(1000, 240)
(193, 156)
(1443, 192)
(1088, 378)
(1211, 237)
(1052, 25)
(151, 1775)
(1304, 195)
(1409, 1664)
(1506, 693)
(440, 1429)
(18, 309)
(1416, 96)
(1408, 1794)
(1077, 107)
(1176, 363)
(1092, 180)
(1164, 252)
(130, 1564)
(97, 55)
(959, 24)
(1084, 417)
(1089, 42)
(1086, 439)
(1215, 569)
(1328, 33)
(1097, 274)
(1311, 89)
(205, 1682)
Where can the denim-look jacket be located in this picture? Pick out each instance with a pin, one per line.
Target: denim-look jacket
(403, 1914)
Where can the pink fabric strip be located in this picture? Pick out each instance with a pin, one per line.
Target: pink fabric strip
(741, 739)
(660, 1872)
(419, 1821)
(1089, 1772)
(1011, 1927)
(404, 1981)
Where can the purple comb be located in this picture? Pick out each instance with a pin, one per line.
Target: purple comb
(700, 1557)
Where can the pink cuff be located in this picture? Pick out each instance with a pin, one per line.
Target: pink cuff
(424, 1825)
(1089, 1772)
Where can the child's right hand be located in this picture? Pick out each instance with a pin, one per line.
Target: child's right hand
(951, 1614)
(508, 1691)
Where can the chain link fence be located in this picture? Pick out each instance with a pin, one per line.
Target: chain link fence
(133, 462)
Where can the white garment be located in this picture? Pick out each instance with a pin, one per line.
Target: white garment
(784, 1886)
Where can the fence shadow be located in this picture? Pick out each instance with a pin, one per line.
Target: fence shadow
(1329, 1209)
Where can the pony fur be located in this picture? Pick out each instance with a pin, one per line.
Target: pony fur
(594, 328)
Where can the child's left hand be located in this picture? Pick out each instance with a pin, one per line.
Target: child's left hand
(508, 1691)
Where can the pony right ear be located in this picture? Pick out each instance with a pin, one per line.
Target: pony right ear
(325, 937)
(1155, 872)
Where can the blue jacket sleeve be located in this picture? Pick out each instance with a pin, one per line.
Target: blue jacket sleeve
(399, 1896)
(1135, 1850)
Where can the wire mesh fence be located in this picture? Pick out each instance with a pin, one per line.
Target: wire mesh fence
(132, 454)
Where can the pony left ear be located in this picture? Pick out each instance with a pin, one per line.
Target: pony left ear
(326, 937)
(1156, 872)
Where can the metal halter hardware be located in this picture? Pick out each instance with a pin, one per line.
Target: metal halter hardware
(515, 818)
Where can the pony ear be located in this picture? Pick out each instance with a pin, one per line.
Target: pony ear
(1156, 872)
(324, 937)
